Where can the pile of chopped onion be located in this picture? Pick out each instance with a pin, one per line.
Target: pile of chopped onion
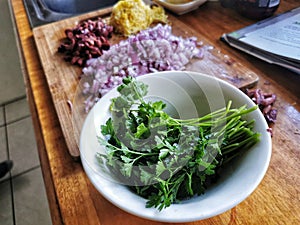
(151, 50)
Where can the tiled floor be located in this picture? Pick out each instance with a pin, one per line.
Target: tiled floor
(23, 199)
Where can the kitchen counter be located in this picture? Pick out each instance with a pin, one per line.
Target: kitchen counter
(72, 197)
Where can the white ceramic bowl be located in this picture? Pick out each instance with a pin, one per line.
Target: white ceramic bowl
(182, 8)
(189, 93)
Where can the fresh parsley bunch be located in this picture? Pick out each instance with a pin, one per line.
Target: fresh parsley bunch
(165, 159)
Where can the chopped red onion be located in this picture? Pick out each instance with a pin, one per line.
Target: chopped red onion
(154, 49)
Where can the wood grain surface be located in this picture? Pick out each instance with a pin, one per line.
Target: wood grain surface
(74, 201)
(63, 78)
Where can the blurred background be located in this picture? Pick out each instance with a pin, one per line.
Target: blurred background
(22, 193)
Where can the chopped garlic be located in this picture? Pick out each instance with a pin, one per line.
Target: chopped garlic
(130, 16)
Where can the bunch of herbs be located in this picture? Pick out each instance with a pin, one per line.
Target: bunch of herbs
(165, 159)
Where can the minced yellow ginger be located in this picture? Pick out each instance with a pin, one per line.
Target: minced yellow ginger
(130, 16)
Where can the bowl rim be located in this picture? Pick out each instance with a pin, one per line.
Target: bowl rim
(181, 8)
(192, 2)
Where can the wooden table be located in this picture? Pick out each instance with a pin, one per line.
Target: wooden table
(73, 199)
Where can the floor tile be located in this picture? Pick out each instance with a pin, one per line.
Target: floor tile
(11, 80)
(3, 151)
(6, 215)
(30, 201)
(16, 110)
(22, 145)
(3, 148)
(1, 116)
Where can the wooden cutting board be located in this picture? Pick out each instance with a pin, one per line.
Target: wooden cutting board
(65, 85)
